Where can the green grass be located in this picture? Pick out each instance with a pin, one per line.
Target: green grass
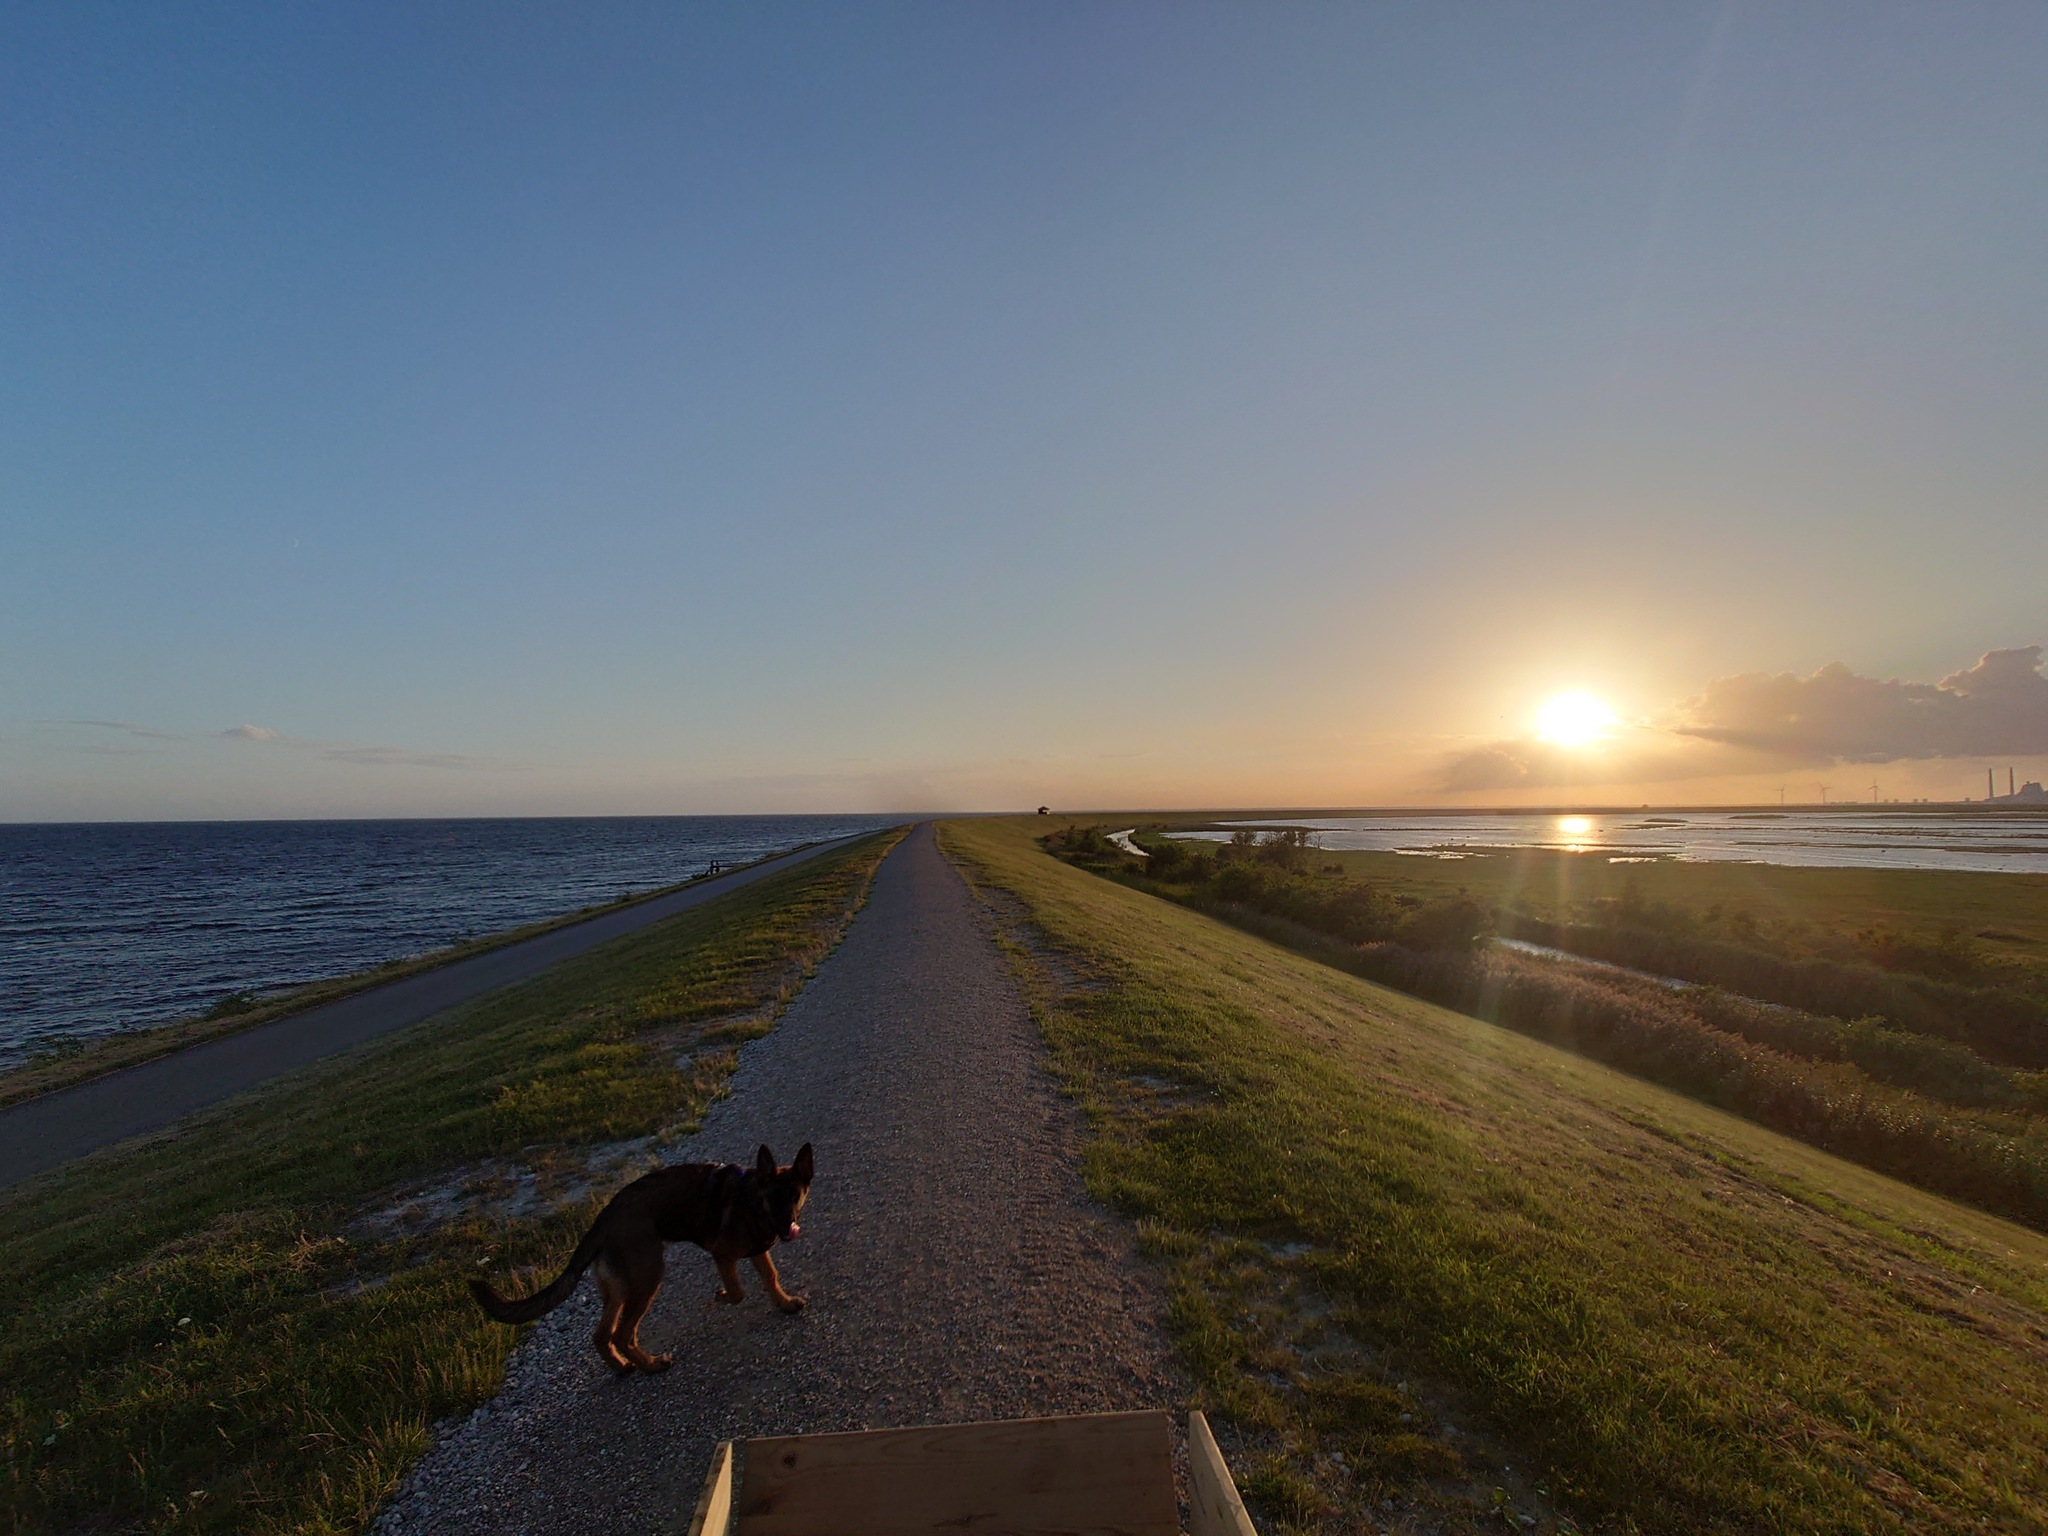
(2005, 916)
(1660, 1316)
(225, 1328)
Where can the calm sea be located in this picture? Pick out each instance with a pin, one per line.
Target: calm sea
(2008, 841)
(120, 925)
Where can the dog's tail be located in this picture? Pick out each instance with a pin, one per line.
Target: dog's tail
(541, 1302)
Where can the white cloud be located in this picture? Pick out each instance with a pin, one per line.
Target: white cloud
(252, 733)
(1997, 707)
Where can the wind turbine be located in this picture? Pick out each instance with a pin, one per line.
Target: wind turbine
(1823, 794)
(1873, 792)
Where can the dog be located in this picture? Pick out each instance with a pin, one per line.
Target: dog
(731, 1212)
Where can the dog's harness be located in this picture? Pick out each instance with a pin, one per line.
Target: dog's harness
(730, 1177)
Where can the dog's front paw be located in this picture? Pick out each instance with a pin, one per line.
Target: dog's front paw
(730, 1298)
(790, 1304)
(658, 1363)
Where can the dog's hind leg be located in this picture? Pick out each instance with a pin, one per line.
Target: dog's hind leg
(642, 1283)
(785, 1302)
(613, 1302)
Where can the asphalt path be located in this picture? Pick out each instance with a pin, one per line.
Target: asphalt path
(44, 1133)
(954, 1267)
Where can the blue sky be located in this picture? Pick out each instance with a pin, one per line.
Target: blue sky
(700, 408)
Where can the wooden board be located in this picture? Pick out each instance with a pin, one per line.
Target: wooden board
(1215, 1509)
(714, 1504)
(1102, 1474)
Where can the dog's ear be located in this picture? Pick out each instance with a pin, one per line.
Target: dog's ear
(802, 1166)
(764, 1163)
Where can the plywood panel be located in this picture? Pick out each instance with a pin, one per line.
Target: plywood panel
(1106, 1474)
(1214, 1506)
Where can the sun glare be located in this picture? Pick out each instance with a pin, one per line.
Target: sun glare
(1574, 720)
(1577, 833)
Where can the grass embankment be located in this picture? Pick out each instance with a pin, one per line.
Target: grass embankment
(1881, 1089)
(69, 1065)
(1372, 1207)
(249, 1326)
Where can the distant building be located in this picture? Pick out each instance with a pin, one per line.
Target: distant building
(2029, 793)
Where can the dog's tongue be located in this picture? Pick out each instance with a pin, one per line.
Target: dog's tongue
(791, 1235)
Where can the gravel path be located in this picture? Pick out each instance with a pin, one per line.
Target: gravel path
(954, 1267)
(43, 1133)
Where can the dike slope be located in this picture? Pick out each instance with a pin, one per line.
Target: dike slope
(48, 1131)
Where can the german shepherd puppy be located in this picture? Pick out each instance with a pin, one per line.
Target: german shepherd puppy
(731, 1212)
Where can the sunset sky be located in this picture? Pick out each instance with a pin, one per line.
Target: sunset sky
(517, 409)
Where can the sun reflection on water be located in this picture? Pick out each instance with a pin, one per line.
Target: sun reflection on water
(1575, 833)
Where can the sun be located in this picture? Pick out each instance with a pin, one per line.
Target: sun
(1574, 720)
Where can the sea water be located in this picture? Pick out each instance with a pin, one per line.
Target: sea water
(2013, 842)
(113, 926)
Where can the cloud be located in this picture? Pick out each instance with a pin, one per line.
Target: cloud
(400, 757)
(1760, 721)
(1997, 707)
(129, 727)
(103, 748)
(364, 756)
(1643, 757)
(1504, 765)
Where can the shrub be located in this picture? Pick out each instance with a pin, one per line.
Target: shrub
(2002, 1025)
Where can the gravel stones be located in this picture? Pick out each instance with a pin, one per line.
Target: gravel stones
(954, 1267)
